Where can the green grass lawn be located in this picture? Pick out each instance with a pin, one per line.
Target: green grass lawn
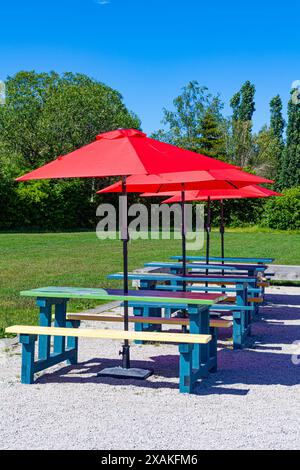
(80, 259)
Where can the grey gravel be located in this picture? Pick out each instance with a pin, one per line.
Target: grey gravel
(252, 402)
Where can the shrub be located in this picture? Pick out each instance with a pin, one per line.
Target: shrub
(283, 213)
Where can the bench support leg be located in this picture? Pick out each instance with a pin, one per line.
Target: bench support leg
(45, 320)
(237, 330)
(185, 368)
(28, 347)
(60, 322)
(213, 348)
(199, 324)
(72, 342)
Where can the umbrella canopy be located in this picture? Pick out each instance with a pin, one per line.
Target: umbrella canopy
(225, 179)
(124, 152)
(251, 191)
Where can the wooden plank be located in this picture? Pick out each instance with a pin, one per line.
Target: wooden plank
(117, 294)
(182, 338)
(191, 277)
(257, 300)
(263, 284)
(227, 258)
(168, 264)
(153, 320)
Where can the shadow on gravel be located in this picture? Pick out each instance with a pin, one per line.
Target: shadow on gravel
(260, 364)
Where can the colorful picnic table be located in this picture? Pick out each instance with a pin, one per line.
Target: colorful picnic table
(240, 270)
(241, 311)
(202, 356)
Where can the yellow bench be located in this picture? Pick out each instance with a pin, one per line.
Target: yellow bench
(110, 334)
(189, 346)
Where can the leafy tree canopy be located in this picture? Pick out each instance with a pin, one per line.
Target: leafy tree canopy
(196, 121)
(47, 114)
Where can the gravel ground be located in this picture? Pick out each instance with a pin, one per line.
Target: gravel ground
(252, 402)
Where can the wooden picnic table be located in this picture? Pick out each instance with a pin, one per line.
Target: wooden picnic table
(203, 357)
(242, 311)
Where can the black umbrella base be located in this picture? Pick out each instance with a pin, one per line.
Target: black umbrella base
(121, 373)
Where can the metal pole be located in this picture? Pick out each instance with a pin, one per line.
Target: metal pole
(207, 235)
(125, 238)
(222, 231)
(183, 238)
(208, 228)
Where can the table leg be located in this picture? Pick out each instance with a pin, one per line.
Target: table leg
(45, 307)
(60, 322)
(199, 324)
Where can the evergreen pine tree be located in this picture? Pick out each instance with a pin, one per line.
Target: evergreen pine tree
(277, 125)
(290, 175)
(277, 122)
(243, 107)
(211, 131)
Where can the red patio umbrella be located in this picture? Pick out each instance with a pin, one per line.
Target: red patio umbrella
(252, 191)
(227, 178)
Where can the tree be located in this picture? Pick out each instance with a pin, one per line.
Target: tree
(277, 122)
(242, 103)
(235, 104)
(267, 147)
(196, 122)
(184, 122)
(290, 174)
(243, 107)
(277, 125)
(47, 114)
(212, 131)
(247, 106)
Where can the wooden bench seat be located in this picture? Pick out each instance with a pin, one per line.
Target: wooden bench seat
(110, 334)
(190, 345)
(257, 300)
(263, 284)
(214, 323)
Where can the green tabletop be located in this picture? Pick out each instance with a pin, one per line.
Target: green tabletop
(193, 298)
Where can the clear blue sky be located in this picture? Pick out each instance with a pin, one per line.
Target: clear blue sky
(149, 49)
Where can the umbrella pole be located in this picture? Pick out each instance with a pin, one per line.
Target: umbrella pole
(183, 237)
(208, 228)
(125, 238)
(125, 371)
(222, 231)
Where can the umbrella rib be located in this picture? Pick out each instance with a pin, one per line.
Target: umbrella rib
(232, 184)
